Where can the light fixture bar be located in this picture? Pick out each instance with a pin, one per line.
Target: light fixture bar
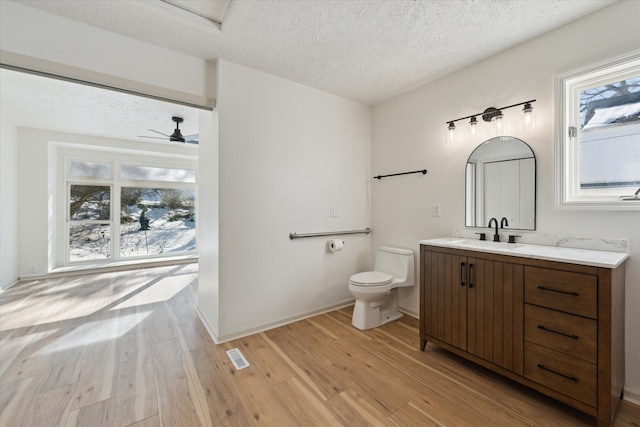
(491, 109)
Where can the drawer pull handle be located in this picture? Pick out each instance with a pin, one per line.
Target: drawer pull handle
(573, 294)
(544, 328)
(574, 379)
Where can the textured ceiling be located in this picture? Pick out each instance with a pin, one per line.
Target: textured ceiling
(368, 51)
(44, 103)
(365, 50)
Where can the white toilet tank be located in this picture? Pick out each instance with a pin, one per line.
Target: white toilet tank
(396, 262)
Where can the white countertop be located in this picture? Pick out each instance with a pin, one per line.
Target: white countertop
(594, 258)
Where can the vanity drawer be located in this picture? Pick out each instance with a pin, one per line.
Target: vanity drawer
(573, 335)
(575, 293)
(573, 377)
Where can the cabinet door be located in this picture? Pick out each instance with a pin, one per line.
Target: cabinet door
(495, 312)
(445, 298)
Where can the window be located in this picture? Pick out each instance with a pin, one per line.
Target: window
(155, 206)
(156, 221)
(598, 146)
(89, 222)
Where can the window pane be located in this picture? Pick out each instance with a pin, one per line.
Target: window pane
(610, 104)
(610, 135)
(610, 158)
(156, 221)
(157, 174)
(89, 242)
(90, 202)
(79, 168)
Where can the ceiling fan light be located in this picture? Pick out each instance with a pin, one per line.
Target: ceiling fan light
(176, 136)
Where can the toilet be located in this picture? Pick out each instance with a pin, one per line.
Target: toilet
(376, 292)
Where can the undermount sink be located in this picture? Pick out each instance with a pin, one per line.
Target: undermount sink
(486, 244)
(454, 240)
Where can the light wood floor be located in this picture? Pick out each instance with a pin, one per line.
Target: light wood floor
(127, 349)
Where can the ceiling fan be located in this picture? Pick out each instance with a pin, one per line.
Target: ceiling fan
(176, 136)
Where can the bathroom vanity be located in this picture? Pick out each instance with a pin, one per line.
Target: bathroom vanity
(551, 318)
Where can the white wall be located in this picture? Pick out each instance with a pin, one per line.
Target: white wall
(287, 154)
(208, 238)
(8, 202)
(409, 133)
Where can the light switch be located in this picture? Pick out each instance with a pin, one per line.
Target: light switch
(436, 209)
(334, 212)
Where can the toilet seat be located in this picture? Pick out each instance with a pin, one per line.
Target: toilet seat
(371, 279)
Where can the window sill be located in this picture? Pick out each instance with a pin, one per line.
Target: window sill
(91, 268)
(586, 205)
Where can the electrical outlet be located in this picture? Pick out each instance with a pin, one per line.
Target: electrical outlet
(33, 268)
(334, 212)
(436, 209)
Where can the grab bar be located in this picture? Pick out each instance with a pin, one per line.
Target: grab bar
(294, 235)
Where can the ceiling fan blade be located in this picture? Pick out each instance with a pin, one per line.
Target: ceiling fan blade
(192, 139)
(163, 134)
(152, 137)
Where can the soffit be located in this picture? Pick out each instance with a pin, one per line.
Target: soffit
(213, 10)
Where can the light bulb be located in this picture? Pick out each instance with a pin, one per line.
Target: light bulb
(497, 123)
(473, 129)
(528, 119)
(451, 133)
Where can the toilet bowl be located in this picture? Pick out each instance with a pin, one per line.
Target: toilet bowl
(376, 292)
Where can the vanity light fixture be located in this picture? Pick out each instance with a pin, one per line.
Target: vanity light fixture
(496, 117)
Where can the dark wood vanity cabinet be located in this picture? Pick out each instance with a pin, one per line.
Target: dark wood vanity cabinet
(555, 327)
(472, 304)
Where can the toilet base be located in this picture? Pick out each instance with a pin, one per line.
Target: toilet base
(368, 314)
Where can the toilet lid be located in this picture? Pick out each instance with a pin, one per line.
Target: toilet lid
(371, 278)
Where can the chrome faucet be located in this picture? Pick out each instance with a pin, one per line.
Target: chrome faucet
(504, 223)
(496, 237)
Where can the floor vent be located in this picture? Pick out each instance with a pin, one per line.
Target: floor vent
(237, 358)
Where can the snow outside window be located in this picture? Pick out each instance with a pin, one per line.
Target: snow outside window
(156, 221)
(89, 224)
(598, 145)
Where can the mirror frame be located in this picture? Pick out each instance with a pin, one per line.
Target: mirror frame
(535, 184)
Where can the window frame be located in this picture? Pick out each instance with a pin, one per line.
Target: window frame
(568, 193)
(116, 159)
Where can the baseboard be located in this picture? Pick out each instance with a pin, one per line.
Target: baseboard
(632, 395)
(410, 313)
(210, 329)
(272, 325)
(4, 288)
